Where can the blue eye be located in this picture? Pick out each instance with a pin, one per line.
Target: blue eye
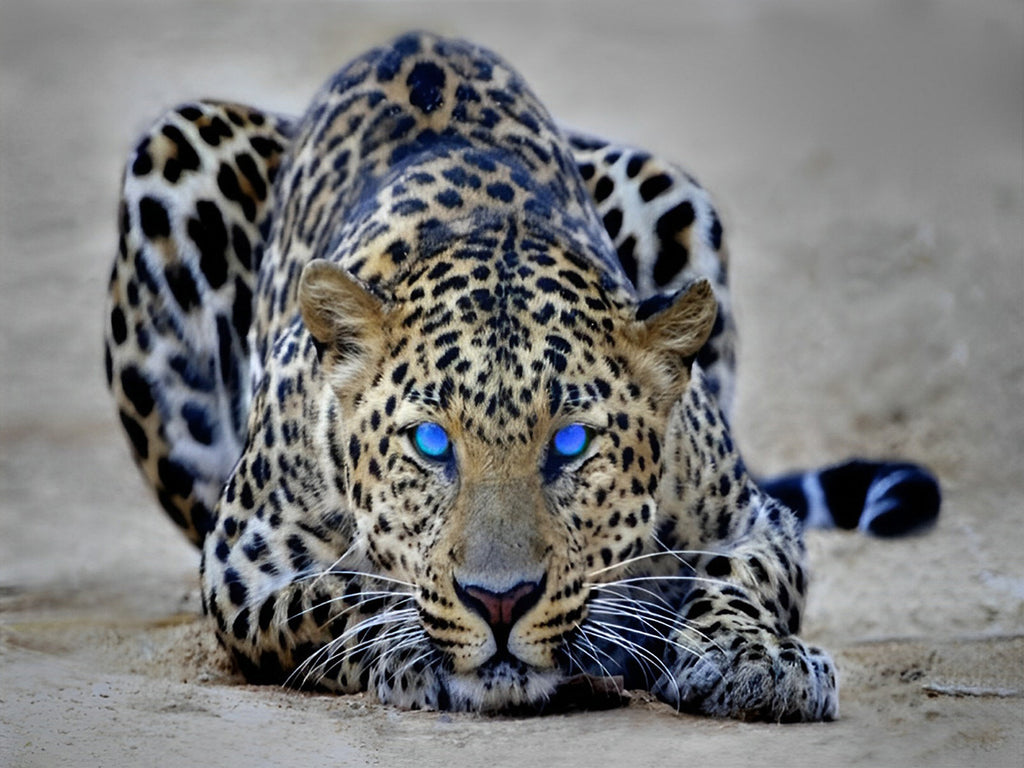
(571, 441)
(432, 441)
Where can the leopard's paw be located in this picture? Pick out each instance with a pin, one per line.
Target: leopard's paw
(768, 678)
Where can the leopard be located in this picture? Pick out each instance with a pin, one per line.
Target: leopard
(440, 388)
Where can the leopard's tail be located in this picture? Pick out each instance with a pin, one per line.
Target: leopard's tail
(194, 207)
(885, 498)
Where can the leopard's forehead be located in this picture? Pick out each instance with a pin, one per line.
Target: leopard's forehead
(505, 332)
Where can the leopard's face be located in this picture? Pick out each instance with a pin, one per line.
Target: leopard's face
(501, 451)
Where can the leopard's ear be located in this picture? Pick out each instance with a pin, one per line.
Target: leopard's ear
(344, 318)
(674, 329)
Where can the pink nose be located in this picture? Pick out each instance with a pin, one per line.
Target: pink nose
(501, 610)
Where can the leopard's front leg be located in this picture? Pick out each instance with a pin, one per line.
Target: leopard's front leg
(734, 651)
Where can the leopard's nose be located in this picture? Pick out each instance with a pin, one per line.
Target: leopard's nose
(501, 610)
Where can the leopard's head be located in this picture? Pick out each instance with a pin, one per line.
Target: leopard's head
(500, 440)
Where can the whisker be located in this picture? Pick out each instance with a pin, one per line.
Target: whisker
(641, 663)
(377, 577)
(630, 589)
(641, 612)
(665, 612)
(391, 641)
(367, 595)
(352, 548)
(627, 562)
(637, 579)
(653, 636)
(618, 608)
(330, 655)
(617, 639)
(379, 619)
(332, 571)
(594, 654)
(330, 650)
(676, 553)
(409, 663)
(637, 651)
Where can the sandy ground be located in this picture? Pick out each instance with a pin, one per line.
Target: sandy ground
(867, 158)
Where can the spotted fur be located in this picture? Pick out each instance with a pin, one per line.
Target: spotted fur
(292, 298)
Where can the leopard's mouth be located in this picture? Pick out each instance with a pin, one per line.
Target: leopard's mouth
(509, 685)
(503, 664)
(502, 685)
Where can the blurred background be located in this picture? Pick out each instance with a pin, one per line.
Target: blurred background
(868, 161)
